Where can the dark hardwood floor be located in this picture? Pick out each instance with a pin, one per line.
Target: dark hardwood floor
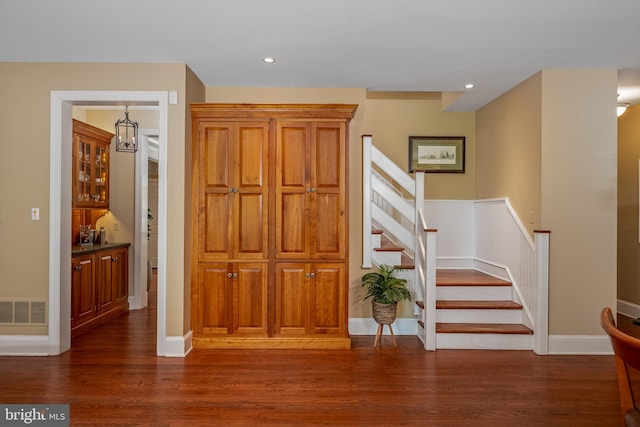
(112, 377)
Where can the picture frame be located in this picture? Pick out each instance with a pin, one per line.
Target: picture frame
(437, 154)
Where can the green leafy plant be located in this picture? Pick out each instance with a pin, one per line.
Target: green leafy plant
(384, 287)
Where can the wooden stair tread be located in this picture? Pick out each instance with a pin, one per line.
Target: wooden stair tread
(481, 305)
(420, 304)
(482, 328)
(467, 277)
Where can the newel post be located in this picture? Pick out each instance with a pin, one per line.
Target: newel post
(366, 201)
(542, 281)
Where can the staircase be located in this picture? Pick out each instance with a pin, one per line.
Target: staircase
(479, 281)
(474, 310)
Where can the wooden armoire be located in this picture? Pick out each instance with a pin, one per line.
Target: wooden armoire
(270, 225)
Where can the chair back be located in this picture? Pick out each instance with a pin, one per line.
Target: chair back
(627, 353)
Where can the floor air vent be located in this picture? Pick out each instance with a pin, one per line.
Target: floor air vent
(23, 312)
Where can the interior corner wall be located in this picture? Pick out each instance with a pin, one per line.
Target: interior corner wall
(628, 215)
(508, 153)
(24, 170)
(195, 91)
(579, 196)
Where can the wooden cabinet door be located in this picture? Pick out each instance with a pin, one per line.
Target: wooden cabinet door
(120, 275)
(327, 311)
(310, 190)
(90, 179)
(103, 282)
(293, 189)
(292, 295)
(83, 302)
(310, 298)
(328, 190)
(232, 299)
(232, 190)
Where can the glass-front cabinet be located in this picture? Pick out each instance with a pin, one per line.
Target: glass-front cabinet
(90, 166)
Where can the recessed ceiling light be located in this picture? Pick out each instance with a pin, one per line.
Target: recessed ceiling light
(469, 86)
(268, 60)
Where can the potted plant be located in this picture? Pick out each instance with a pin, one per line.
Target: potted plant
(386, 290)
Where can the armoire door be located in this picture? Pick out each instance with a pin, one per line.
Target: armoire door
(232, 299)
(310, 190)
(310, 299)
(232, 168)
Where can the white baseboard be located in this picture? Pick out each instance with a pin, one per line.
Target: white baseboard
(176, 346)
(24, 345)
(580, 344)
(368, 326)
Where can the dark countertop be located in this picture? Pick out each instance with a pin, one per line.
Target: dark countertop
(82, 250)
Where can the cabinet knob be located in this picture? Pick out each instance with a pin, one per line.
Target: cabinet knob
(313, 275)
(77, 267)
(235, 190)
(230, 190)
(115, 258)
(313, 190)
(307, 275)
(235, 274)
(229, 275)
(307, 190)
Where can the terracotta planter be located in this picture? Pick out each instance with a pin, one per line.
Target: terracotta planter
(384, 314)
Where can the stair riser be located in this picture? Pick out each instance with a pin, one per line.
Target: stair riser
(478, 316)
(484, 341)
(387, 257)
(474, 293)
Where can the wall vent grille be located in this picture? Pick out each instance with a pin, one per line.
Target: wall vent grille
(23, 312)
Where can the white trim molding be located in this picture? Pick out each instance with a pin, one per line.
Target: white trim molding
(177, 346)
(24, 345)
(62, 102)
(580, 345)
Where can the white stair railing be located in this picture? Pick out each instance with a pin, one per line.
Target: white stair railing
(405, 226)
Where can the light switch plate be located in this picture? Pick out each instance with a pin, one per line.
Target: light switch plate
(35, 214)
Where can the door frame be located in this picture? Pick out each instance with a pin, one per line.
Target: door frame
(62, 102)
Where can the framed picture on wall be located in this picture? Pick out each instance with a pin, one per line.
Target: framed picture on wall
(436, 154)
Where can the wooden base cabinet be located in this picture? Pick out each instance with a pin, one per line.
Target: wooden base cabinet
(270, 225)
(232, 299)
(309, 299)
(99, 287)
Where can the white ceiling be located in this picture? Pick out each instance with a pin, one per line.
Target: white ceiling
(385, 45)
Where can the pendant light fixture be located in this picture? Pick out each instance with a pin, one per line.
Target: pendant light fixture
(126, 134)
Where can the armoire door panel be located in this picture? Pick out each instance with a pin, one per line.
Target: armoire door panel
(292, 227)
(329, 222)
(216, 156)
(328, 299)
(215, 292)
(252, 156)
(252, 240)
(291, 299)
(250, 299)
(215, 227)
(329, 157)
(292, 154)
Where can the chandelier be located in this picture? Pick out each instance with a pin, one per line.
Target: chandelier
(126, 134)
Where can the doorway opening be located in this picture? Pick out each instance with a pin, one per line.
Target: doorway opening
(62, 103)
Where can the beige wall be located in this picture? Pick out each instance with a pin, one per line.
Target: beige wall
(24, 168)
(391, 120)
(549, 144)
(628, 246)
(579, 200)
(509, 152)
